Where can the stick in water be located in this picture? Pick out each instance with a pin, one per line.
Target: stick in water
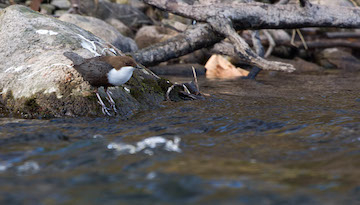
(195, 79)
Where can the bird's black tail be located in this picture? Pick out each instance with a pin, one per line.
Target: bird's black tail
(75, 58)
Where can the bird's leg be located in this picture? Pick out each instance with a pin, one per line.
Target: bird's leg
(104, 109)
(111, 101)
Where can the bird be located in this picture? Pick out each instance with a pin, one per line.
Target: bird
(106, 71)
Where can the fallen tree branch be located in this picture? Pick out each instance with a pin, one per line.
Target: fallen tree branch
(224, 27)
(200, 36)
(225, 18)
(267, 16)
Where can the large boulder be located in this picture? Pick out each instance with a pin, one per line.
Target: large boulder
(37, 80)
(103, 30)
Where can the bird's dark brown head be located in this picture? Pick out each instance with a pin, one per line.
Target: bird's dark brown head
(120, 61)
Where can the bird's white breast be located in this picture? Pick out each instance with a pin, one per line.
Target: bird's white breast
(119, 77)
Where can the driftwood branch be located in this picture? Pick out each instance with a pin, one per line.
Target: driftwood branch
(225, 19)
(267, 16)
(200, 36)
(224, 27)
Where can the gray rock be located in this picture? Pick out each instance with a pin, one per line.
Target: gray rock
(139, 5)
(37, 80)
(334, 58)
(61, 4)
(47, 8)
(149, 35)
(103, 30)
(301, 65)
(120, 26)
(58, 13)
(130, 16)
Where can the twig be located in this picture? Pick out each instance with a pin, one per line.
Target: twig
(195, 79)
(292, 41)
(302, 39)
(186, 89)
(354, 3)
(168, 92)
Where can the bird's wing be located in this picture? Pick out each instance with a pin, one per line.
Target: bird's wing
(95, 71)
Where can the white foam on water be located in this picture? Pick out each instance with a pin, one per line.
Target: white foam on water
(147, 146)
(29, 167)
(4, 166)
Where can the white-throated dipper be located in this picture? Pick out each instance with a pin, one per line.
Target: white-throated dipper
(104, 71)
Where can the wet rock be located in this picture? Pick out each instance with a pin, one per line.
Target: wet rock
(37, 80)
(149, 35)
(102, 30)
(61, 4)
(197, 57)
(301, 65)
(334, 58)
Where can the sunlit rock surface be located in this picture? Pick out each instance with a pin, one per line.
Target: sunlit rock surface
(103, 30)
(37, 80)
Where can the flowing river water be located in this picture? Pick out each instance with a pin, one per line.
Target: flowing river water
(283, 139)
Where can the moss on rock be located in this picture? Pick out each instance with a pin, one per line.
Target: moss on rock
(142, 88)
(31, 105)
